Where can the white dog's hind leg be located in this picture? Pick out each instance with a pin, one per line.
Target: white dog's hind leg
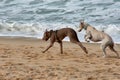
(112, 49)
(103, 47)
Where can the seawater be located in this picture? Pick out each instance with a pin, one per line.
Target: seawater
(30, 18)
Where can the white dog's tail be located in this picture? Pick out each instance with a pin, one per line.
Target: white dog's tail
(112, 49)
(111, 46)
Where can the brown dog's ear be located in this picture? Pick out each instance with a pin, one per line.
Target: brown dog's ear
(45, 30)
(51, 31)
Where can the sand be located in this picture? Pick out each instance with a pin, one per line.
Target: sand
(22, 59)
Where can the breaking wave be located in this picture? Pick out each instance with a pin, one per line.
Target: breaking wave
(29, 18)
(37, 29)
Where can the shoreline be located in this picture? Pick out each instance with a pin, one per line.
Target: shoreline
(35, 38)
(22, 59)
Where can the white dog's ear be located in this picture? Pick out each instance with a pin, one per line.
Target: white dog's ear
(82, 21)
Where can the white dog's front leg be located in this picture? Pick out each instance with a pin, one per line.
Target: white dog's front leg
(86, 37)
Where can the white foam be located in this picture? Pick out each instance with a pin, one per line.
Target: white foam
(37, 29)
(25, 17)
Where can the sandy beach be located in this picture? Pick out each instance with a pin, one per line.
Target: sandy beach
(22, 59)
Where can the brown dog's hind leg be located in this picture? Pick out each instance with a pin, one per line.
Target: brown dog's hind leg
(84, 49)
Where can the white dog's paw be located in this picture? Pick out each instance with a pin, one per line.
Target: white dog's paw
(88, 41)
(104, 56)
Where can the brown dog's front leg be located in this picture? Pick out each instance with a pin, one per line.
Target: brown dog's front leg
(48, 47)
(61, 47)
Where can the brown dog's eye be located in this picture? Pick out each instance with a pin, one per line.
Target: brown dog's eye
(46, 34)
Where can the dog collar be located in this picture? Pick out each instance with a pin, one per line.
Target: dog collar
(58, 40)
(85, 26)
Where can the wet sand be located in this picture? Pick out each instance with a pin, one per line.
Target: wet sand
(22, 59)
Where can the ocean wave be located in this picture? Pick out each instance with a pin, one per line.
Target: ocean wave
(32, 17)
(37, 29)
(110, 29)
(61, 11)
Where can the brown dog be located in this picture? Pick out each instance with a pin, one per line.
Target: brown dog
(59, 35)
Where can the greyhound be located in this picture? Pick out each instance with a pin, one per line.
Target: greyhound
(59, 35)
(96, 36)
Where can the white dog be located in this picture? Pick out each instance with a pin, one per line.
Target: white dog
(96, 36)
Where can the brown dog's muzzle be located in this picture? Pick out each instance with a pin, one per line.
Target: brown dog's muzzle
(45, 39)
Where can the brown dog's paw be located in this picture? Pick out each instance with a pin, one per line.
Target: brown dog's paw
(85, 50)
(43, 51)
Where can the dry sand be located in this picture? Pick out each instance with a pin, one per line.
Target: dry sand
(22, 59)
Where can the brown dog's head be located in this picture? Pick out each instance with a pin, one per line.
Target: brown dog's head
(47, 35)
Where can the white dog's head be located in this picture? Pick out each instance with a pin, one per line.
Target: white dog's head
(83, 25)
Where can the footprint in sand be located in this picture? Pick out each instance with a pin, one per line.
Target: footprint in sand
(91, 78)
(117, 64)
